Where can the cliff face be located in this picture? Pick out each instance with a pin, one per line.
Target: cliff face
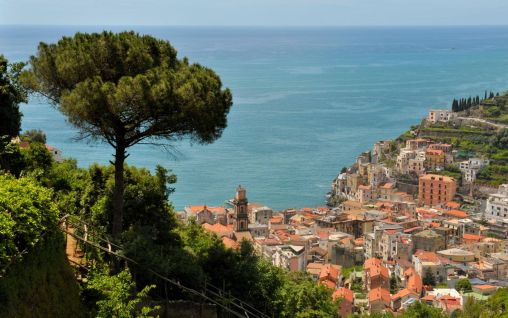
(42, 284)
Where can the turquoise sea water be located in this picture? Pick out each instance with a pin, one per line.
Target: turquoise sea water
(306, 100)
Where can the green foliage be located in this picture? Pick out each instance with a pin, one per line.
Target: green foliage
(429, 278)
(472, 309)
(41, 284)
(11, 159)
(34, 161)
(497, 304)
(393, 284)
(463, 285)
(34, 135)
(304, 298)
(37, 158)
(494, 307)
(124, 89)
(422, 310)
(26, 212)
(10, 97)
(500, 140)
(493, 174)
(117, 296)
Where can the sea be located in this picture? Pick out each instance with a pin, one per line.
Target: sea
(307, 101)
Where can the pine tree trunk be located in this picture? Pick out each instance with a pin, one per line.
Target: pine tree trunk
(118, 193)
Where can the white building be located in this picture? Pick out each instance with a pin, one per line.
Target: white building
(437, 115)
(290, 257)
(260, 215)
(403, 159)
(497, 204)
(470, 168)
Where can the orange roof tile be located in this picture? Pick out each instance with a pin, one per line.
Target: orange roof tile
(484, 286)
(379, 294)
(328, 283)
(276, 219)
(437, 177)
(330, 272)
(426, 256)
(219, 229)
(198, 208)
(452, 205)
(415, 283)
(371, 262)
(472, 237)
(343, 293)
(409, 271)
(456, 213)
(315, 266)
(378, 270)
(230, 243)
(402, 293)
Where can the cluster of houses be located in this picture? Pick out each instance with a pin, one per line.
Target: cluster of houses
(390, 242)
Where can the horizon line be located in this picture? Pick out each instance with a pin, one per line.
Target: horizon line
(254, 25)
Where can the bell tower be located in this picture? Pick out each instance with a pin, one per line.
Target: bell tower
(240, 204)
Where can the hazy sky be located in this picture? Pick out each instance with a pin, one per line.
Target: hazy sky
(255, 12)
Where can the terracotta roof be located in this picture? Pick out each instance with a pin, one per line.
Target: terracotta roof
(371, 262)
(229, 243)
(472, 237)
(379, 294)
(378, 270)
(412, 229)
(484, 286)
(402, 293)
(330, 272)
(314, 266)
(409, 271)
(428, 297)
(457, 213)
(387, 185)
(414, 283)
(425, 256)
(449, 300)
(198, 208)
(343, 293)
(276, 219)
(452, 205)
(328, 283)
(219, 229)
(436, 176)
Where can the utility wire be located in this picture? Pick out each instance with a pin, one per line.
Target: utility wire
(240, 305)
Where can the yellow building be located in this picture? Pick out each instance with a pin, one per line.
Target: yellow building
(434, 159)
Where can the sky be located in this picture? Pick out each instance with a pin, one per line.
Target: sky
(254, 12)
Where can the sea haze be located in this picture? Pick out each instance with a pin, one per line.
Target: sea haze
(306, 100)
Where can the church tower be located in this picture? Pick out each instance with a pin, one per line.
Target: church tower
(241, 213)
